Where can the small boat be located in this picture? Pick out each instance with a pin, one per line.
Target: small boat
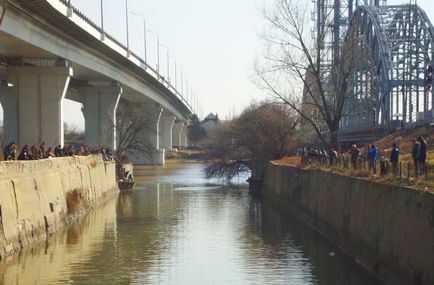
(126, 184)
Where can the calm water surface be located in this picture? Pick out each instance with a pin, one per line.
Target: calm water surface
(176, 228)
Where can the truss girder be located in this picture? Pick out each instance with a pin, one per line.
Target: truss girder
(393, 79)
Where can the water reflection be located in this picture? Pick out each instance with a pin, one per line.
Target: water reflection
(174, 228)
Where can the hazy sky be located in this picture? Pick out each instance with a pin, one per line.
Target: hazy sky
(215, 43)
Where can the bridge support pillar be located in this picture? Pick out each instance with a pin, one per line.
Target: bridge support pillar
(8, 100)
(99, 111)
(166, 130)
(177, 133)
(37, 104)
(183, 137)
(153, 138)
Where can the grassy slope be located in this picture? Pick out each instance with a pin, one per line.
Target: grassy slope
(404, 140)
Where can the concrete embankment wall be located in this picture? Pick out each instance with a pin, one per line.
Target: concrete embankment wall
(387, 229)
(40, 197)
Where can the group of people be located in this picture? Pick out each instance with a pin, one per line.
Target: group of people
(320, 155)
(36, 152)
(419, 154)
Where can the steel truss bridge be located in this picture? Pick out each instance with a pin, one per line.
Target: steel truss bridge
(392, 82)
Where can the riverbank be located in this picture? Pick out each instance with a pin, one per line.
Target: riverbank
(176, 228)
(38, 198)
(187, 155)
(387, 229)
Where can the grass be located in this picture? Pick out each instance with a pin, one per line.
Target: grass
(289, 160)
(186, 154)
(404, 139)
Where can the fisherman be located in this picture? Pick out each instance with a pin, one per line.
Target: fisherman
(394, 158)
(373, 158)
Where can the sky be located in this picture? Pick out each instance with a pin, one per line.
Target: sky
(215, 44)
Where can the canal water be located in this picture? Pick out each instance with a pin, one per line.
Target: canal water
(177, 228)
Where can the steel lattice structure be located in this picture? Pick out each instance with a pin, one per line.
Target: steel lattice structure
(395, 59)
(394, 79)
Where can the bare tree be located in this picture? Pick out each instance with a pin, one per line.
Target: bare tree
(134, 128)
(292, 70)
(196, 132)
(263, 131)
(73, 132)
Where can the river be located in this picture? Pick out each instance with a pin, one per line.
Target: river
(177, 228)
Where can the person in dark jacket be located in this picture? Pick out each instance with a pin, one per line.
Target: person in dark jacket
(24, 154)
(394, 158)
(421, 157)
(373, 158)
(6, 151)
(414, 154)
(355, 153)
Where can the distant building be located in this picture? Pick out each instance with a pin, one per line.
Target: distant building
(210, 122)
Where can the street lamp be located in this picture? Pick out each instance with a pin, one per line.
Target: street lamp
(158, 57)
(102, 20)
(144, 36)
(182, 85)
(128, 35)
(176, 78)
(168, 69)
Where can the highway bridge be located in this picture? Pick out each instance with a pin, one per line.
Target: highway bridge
(50, 51)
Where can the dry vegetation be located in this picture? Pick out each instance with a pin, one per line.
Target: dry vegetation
(93, 163)
(404, 139)
(74, 200)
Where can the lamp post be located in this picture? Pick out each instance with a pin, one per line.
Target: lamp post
(102, 20)
(168, 68)
(144, 37)
(176, 77)
(182, 85)
(128, 35)
(158, 57)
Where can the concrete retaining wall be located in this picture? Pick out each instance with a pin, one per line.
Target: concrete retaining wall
(40, 197)
(388, 229)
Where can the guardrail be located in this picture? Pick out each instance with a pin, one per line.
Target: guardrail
(134, 58)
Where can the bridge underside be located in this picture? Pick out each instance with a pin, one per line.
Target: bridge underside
(41, 65)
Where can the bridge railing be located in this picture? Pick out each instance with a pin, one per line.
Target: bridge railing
(129, 54)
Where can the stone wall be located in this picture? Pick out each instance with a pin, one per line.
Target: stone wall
(40, 197)
(387, 229)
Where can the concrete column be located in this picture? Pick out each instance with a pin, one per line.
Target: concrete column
(8, 100)
(183, 137)
(153, 138)
(177, 132)
(166, 130)
(99, 111)
(40, 91)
